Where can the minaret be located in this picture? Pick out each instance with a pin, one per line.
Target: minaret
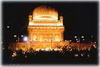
(30, 18)
(61, 19)
(30, 31)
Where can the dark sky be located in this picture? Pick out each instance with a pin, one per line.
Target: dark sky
(80, 18)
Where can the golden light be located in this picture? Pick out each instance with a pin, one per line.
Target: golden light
(39, 24)
(94, 46)
(47, 49)
(37, 49)
(55, 49)
(42, 49)
(76, 55)
(13, 56)
(46, 17)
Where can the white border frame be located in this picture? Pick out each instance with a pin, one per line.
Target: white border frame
(45, 65)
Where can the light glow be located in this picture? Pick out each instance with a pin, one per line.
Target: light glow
(76, 55)
(15, 35)
(83, 39)
(44, 24)
(22, 36)
(7, 26)
(75, 36)
(47, 49)
(40, 17)
(82, 36)
(25, 38)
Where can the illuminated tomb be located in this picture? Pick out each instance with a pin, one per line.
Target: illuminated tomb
(44, 25)
(45, 30)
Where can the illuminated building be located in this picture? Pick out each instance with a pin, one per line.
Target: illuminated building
(45, 30)
(44, 25)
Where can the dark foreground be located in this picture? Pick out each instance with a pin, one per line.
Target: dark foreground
(83, 57)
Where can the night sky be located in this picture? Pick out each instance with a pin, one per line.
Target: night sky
(80, 18)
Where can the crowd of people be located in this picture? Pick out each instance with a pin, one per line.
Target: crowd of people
(66, 56)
